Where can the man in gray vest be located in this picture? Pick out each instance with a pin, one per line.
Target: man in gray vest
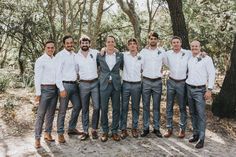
(46, 92)
(201, 71)
(110, 86)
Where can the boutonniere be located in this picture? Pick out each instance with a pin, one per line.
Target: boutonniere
(91, 55)
(158, 52)
(199, 58)
(182, 55)
(139, 57)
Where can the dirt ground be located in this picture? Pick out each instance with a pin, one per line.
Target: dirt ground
(17, 135)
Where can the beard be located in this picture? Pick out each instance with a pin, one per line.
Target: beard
(153, 44)
(85, 48)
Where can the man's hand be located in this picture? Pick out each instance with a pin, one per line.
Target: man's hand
(207, 95)
(203, 54)
(37, 99)
(103, 50)
(63, 94)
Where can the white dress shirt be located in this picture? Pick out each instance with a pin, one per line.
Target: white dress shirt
(178, 63)
(201, 71)
(152, 62)
(66, 68)
(111, 61)
(87, 66)
(45, 72)
(132, 67)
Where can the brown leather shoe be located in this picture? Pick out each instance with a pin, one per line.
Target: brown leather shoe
(74, 132)
(124, 134)
(115, 137)
(37, 143)
(181, 133)
(104, 137)
(61, 139)
(94, 134)
(84, 137)
(168, 133)
(48, 137)
(134, 133)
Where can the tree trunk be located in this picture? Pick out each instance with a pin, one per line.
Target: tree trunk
(4, 59)
(97, 23)
(224, 104)
(129, 9)
(178, 21)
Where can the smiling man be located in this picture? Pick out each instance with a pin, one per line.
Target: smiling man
(66, 81)
(131, 88)
(177, 62)
(110, 85)
(46, 92)
(201, 71)
(88, 87)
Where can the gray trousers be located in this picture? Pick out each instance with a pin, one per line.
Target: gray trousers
(105, 95)
(197, 105)
(154, 89)
(88, 90)
(73, 96)
(47, 106)
(176, 89)
(134, 91)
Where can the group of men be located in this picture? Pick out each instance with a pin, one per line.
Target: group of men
(100, 79)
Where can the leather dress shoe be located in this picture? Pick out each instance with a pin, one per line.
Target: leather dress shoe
(134, 133)
(84, 136)
(74, 132)
(124, 134)
(181, 133)
(94, 134)
(37, 143)
(145, 133)
(115, 137)
(194, 138)
(200, 144)
(168, 133)
(48, 137)
(61, 138)
(104, 137)
(157, 133)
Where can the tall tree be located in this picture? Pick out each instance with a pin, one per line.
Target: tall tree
(178, 21)
(224, 105)
(129, 8)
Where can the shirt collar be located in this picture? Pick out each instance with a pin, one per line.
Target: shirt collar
(47, 56)
(67, 52)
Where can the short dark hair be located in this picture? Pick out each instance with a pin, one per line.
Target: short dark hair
(66, 37)
(154, 34)
(132, 40)
(49, 41)
(111, 36)
(176, 37)
(84, 38)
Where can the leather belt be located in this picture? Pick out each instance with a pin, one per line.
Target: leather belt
(89, 81)
(48, 85)
(195, 87)
(136, 82)
(70, 82)
(176, 80)
(152, 79)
